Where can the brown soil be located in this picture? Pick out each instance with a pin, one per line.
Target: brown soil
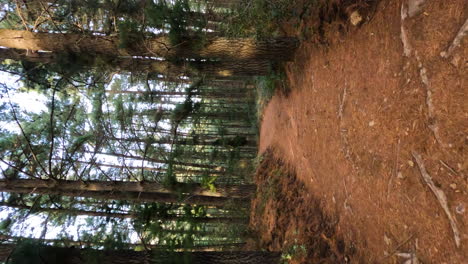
(362, 101)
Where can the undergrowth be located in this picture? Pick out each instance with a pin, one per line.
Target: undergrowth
(257, 18)
(266, 88)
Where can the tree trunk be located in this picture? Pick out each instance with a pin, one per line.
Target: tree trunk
(221, 3)
(139, 168)
(154, 67)
(120, 195)
(229, 191)
(49, 254)
(199, 220)
(6, 250)
(65, 211)
(278, 49)
(188, 164)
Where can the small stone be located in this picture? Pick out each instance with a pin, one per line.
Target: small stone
(460, 209)
(387, 240)
(410, 163)
(455, 60)
(453, 186)
(371, 123)
(400, 175)
(355, 18)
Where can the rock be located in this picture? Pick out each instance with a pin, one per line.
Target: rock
(355, 18)
(400, 175)
(387, 240)
(415, 7)
(453, 186)
(410, 163)
(371, 123)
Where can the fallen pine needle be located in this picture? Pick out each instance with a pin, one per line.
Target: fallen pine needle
(440, 195)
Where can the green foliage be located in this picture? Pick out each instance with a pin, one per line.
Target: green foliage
(208, 182)
(6, 224)
(80, 141)
(156, 14)
(178, 21)
(27, 252)
(129, 32)
(294, 251)
(266, 88)
(88, 121)
(260, 18)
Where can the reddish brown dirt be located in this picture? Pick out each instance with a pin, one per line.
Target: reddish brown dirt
(357, 109)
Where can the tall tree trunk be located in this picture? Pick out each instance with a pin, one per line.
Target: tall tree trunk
(189, 164)
(65, 211)
(174, 217)
(129, 196)
(228, 191)
(171, 70)
(71, 255)
(220, 3)
(139, 168)
(6, 250)
(160, 46)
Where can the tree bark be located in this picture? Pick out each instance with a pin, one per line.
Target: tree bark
(82, 256)
(278, 49)
(229, 191)
(65, 211)
(200, 220)
(129, 196)
(172, 71)
(6, 250)
(188, 164)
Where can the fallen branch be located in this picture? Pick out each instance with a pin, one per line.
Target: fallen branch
(430, 105)
(456, 41)
(450, 169)
(395, 251)
(440, 195)
(343, 98)
(403, 34)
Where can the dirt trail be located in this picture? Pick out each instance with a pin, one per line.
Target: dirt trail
(359, 107)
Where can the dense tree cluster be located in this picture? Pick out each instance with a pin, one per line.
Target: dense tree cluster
(142, 143)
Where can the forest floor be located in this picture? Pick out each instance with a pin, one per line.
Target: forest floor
(374, 118)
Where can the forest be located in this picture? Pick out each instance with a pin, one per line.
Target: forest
(129, 129)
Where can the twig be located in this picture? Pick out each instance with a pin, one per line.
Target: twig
(18, 10)
(448, 167)
(51, 133)
(23, 133)
(37, 23)
(399, 246)
(429, 102)
(403, 34)
(456, 41)
(19, 169)
(340, 110)
(50, 17)
(440, 195)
